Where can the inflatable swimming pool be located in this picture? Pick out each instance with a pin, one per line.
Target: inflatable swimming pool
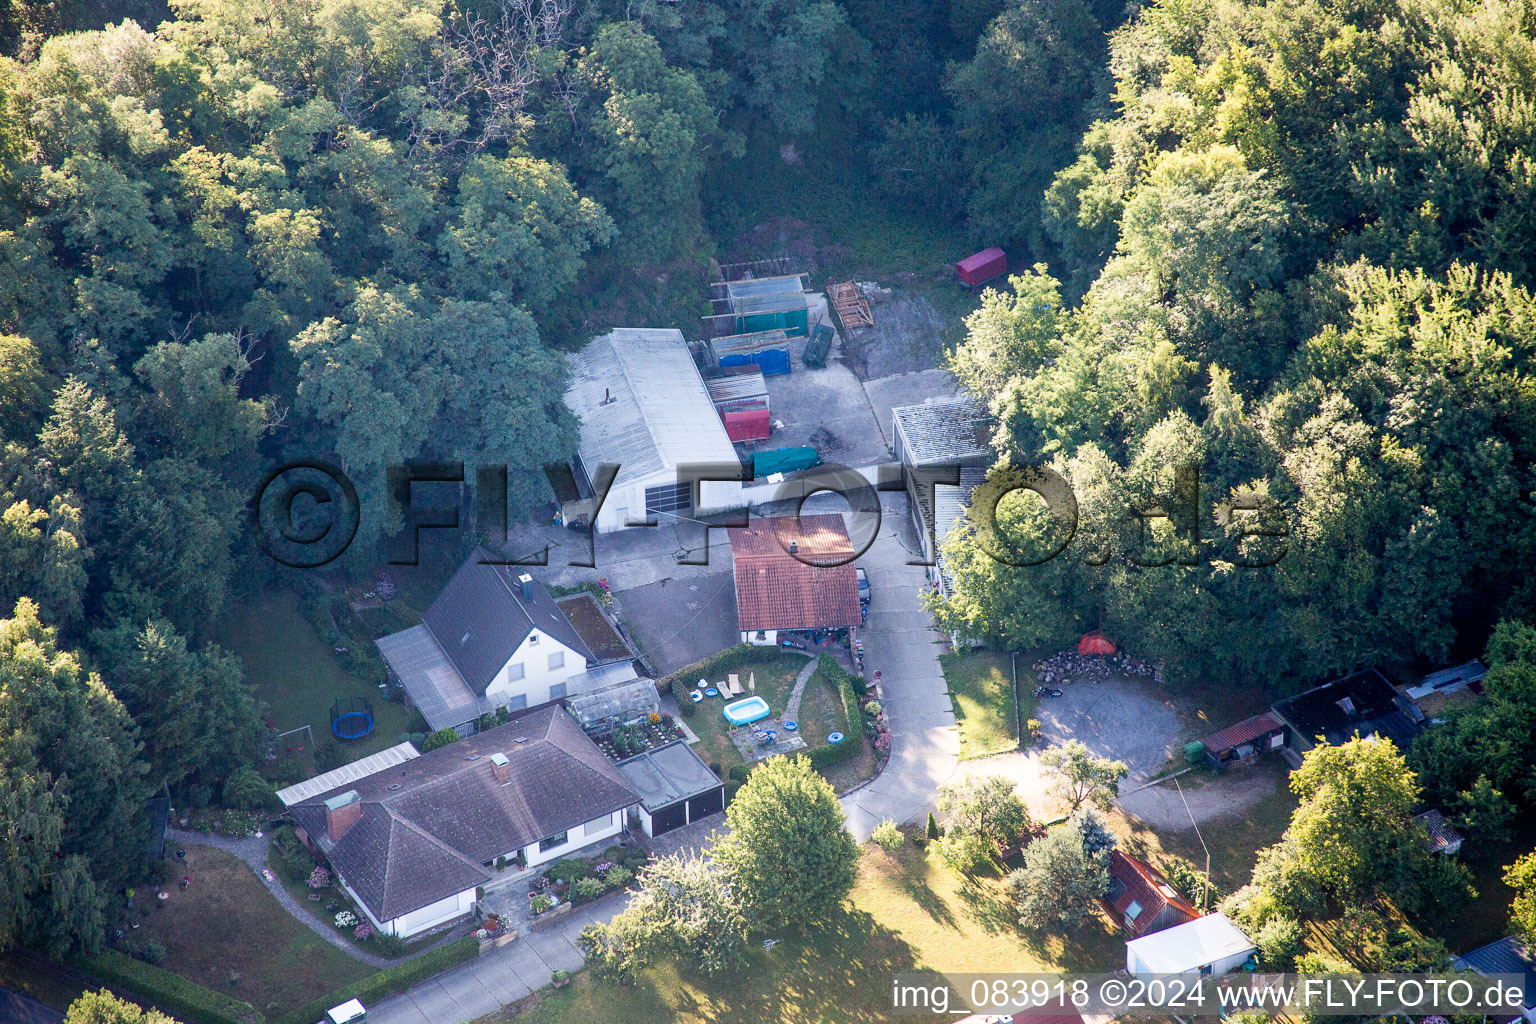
(743, 711)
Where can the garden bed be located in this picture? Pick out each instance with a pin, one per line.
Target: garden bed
(629, 740)
(577, 880)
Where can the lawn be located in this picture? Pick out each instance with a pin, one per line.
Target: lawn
(821, 713)
(907, 914)
(981, 684)
(227, 932)
(289, 667)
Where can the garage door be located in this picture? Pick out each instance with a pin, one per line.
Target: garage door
(669, 818)
(674, 498)
(706, 803)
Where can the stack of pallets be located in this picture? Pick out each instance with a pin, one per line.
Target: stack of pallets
(851, 306)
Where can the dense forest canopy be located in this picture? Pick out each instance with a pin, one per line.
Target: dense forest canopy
(1284, 241)
(1302, 246)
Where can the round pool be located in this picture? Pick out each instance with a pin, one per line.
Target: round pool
(836, 737)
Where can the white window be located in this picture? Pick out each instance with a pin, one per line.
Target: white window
(557, 660)
(515, 671)
(557, 691)
(1132, 912)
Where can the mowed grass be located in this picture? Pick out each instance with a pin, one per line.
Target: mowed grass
(227, 925)
(906, 913)
(297, 674)
(981, 685)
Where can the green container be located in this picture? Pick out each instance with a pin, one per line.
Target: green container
(816, 348)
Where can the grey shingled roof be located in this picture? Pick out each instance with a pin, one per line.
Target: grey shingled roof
(943, 430)
(430, 823)
(1507, 956)
(481, 617)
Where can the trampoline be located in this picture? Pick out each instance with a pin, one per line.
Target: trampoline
(351, 718)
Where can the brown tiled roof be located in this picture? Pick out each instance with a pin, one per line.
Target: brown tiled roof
(429, 824)
(1141, 882)
(1242, 732)
(778, 588)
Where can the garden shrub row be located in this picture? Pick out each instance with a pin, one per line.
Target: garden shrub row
(388, 981)
(187, 1001)
(848, 691)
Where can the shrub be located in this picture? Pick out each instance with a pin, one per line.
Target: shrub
(387, 982)
(318, 878)
(440, 738)
(686, 705)
(587, 888)
(730, 791)
(183, 999)
(345, 919)
(1279, 942)
(246, 790)
(154, 952)
(540, 903)
(887, 836)
(738, 773)
(363, 932)
(567, 870)
(387, 945)
(933, 831)
(617, 877)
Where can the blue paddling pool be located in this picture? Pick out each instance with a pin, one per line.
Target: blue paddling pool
(711, 692)
(742, 712)
(790, 726)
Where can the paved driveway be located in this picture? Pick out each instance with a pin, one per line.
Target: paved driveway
(902, 645)
(678, 620)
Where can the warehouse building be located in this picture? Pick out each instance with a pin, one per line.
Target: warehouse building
(643, 406)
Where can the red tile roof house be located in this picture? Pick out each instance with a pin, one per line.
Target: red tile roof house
(788, 576)
(411, 841)
(1141, 899)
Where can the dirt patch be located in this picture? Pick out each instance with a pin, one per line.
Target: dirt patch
(908, 335)
(594, 628)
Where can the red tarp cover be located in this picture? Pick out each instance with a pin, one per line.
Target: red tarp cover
(750, 425)
(1094, 643)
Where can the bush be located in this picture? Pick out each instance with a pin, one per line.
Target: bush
(730, 791)
(154, 952)
(388, 945)
(617, 877)
(1279, 942)
(587, 889)
(540, 903)
(887, 836)
(246, 790)
(440, 738)
(837, 753)
(387, 982)
(687, 706)
(187, 1001)
(738, 773)
(567, 870)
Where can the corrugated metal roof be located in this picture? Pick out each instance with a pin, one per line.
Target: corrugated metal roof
(359, 769)
(943, 430)
(1242, 732)
(643, 405)
(738, 387)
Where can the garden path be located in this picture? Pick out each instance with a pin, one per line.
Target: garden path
(792, 705)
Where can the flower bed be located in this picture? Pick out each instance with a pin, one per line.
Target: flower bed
(629, 740)
(580, 880)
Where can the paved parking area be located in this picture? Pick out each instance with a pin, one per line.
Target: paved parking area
(677, 621)
(1131, 721)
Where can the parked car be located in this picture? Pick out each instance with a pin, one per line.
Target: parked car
(863, 584)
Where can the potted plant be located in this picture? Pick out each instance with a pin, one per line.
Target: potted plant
(540, 903)
(561, 978)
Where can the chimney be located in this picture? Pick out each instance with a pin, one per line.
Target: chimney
(501, 767)
(794, 547)
(341, 813)
(525, 585)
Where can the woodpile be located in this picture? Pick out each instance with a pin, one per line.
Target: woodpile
(851, 306)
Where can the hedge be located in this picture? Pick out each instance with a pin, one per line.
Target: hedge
(389, 981)
(710, 667)
(847, 692)
(185, 1000)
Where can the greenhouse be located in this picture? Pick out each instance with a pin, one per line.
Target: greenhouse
(602, 712)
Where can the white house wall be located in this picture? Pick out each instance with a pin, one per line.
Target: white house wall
(594, 831)
(533, 654)
(430, 916)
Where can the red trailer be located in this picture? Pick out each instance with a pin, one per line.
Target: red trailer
(981, 267)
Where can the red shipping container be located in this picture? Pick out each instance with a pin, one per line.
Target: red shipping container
(982, 266)
(749, 425)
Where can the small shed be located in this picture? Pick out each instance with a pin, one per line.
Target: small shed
(981, 267)
(1439, 836)
(1243, 742)
(758, 304)
(765, 351)
(605, 710)
(1208, 945)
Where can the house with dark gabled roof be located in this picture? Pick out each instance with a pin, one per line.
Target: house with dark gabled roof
(412, 840)
(1506, 956)
(1141, 899)
(494, 638)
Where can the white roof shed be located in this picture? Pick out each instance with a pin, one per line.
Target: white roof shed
(1211, 941)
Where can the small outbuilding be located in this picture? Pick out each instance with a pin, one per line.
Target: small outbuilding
(1141, 899)
(676, 787)
(1208, 945)
(759, 304)
(1439, 836)
(1362, 703)
(794, 573)
(1244, 742)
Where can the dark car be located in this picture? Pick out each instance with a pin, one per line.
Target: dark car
(863, 584)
